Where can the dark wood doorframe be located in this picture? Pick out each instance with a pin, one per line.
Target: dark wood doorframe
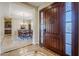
(75, 30)
(40, 28)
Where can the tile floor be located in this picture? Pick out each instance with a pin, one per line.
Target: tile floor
(15, 48)
(9, 43)
(30, 50)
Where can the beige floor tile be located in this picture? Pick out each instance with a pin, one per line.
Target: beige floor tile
(31, 50)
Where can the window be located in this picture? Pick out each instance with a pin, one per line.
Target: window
(68, 28)
(68, 38)
(68, 49)
(68, 16)
(42, 26)
(68, 6)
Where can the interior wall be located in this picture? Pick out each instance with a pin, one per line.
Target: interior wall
(36, 27)
(2, 11)
(0, 24)
(12, 10)
(0, 36)
(0, 31)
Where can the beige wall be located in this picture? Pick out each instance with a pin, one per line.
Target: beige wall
(16, 20)
(0, 31)
(35, 27)
(2, 11)
(12, 10)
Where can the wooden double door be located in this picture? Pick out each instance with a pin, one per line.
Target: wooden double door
(52, 28)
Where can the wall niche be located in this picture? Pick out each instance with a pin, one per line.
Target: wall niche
(7, 25)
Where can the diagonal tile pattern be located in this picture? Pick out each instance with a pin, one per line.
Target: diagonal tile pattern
(30, 50)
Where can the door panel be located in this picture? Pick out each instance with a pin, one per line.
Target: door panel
(52, 29)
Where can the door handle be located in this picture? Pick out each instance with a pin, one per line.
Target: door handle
(44, 30)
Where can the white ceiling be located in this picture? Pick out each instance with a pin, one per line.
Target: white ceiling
(38, 4)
